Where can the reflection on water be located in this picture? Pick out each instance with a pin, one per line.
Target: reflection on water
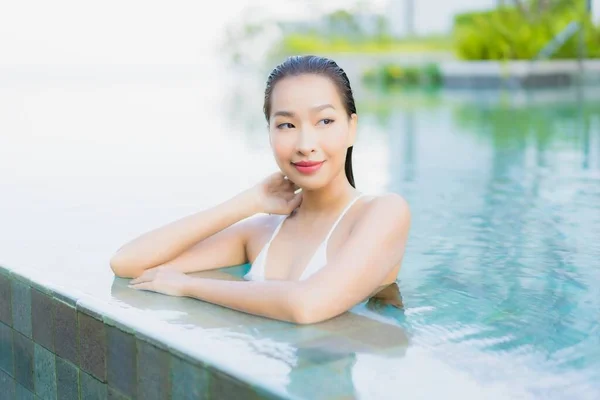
(314, 354)
(506, 209)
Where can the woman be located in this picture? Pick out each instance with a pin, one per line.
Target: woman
(318, 248)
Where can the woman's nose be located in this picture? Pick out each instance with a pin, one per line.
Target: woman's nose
(307, 142)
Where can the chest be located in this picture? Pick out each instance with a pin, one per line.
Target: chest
(296, 249)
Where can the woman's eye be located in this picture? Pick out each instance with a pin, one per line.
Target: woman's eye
(285, 125)
(326, 121)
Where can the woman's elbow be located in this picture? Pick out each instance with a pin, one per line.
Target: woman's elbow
(121, 267)
(306, 312)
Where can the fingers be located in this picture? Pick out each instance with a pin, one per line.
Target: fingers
(296, 201)
(293, 187)
(143, 286)
(145, 277)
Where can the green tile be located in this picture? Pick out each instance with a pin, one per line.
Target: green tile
(5, 300)
(86, 308)
(23, 394)
(26, 277)
(67, 380)
(121, 366)
(6, 349)
(114, 394)
(223, 386)
(91, 388)
(23, 360)
(42, 319)
(45, 373)
(7, 386)
(92, 346)
(153, 371)
(65, 296)
(21, 307)
(65, 331)
(188, 381)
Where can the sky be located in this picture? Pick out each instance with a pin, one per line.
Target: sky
(69, 32)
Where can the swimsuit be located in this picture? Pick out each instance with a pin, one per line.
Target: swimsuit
(317, 261)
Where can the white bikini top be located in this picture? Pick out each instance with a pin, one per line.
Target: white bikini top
(317, 261)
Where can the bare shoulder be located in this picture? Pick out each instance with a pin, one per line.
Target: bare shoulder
(390, 206)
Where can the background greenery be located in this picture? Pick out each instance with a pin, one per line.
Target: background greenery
(521, 32)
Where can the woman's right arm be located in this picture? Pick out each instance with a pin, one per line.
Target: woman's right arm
(209, 239)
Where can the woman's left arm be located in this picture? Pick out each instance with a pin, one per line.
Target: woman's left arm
(375, 246)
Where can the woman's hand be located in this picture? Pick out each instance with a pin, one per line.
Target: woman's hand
(162, 280)
(276, 194)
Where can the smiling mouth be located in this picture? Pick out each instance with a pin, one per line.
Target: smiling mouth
(308, 167)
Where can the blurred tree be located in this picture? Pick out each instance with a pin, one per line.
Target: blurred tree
(342, 21)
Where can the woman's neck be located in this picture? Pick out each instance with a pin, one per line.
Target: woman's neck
(328, 199)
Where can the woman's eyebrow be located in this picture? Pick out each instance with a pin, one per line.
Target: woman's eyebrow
(290, 114)
(322, 107)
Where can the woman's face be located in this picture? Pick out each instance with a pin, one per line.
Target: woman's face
(309, 130)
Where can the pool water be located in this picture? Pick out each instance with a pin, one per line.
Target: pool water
(501, 278)
(502, 271)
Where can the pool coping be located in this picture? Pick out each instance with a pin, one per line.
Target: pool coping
(92, 320)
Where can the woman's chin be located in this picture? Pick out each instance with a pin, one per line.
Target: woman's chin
(311, 186)
(308, 182)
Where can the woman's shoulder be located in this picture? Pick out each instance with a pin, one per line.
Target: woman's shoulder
(378, 210)
(393, 203)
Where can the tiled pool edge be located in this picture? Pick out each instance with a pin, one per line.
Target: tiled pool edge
(56, 345)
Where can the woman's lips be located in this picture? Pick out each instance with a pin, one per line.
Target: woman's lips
(308, 167)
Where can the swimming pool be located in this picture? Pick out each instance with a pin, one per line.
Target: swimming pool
(501, 278)
(502, 271)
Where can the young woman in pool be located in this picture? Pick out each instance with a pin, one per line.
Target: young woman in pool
(318, 247)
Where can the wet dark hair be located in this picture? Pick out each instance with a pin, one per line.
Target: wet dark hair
(301, 65)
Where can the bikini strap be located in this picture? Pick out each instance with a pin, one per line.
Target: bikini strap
(275, 232)
(335, 224)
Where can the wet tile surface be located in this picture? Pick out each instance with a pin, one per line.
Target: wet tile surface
(153, 372)
(7, 386)
(67, 380)
(121, 361)
(188, 381)
(223, 386)
(5, 300)
(65, 331)
(21, 307)
(6, 349)
(92, 346)
(278, 358)
(23, 394)
(42, 319)
(91, 388)
(45, 373)
(115, 395)
(23, 350)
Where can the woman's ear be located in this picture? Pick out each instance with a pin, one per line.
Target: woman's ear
(352, 129)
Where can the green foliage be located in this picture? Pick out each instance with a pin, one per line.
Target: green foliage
(305, 43)
(519, 33)
(390, 75)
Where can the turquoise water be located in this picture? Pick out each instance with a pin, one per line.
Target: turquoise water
(502, 270)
